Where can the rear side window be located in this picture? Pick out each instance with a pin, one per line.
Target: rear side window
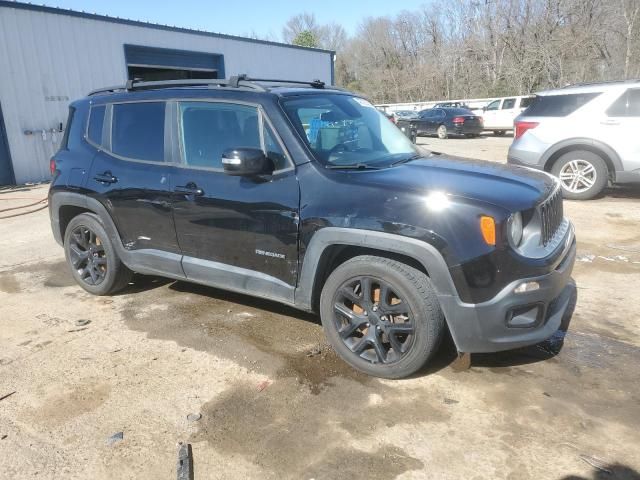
(558, 105)
(96, 122)
(508, 103)
(137, 130)
(628, 105)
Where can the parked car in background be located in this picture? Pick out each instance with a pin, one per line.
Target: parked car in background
(442, 122)
(499, 114)
(587, 135)
(451, 105)
(405, 115)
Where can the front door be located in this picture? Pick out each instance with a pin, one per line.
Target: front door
(490, 115)
(242, 231)
(132, 179)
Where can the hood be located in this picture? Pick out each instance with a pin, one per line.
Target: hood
(510, 187)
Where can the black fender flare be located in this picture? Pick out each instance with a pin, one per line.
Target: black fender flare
(150, 262)
(423, 252)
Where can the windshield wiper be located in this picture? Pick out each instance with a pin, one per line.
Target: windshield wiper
(353, 166)
(408, 159)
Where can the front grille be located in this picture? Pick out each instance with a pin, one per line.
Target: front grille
(551, 215)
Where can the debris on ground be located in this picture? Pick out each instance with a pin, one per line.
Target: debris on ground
(194, 417)
(586, 258)
(115, 438)
(7, 395)
(450, 401)
(264, 384)
(185, 462)
(3, 436)
(82, 322)
(73, 330)
(317, 350)
(596, 463)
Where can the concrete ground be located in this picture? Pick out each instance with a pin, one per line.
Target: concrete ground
(274, 400)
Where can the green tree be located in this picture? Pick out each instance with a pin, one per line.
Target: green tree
(305, 38)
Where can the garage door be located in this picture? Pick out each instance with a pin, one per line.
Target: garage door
(151, 63)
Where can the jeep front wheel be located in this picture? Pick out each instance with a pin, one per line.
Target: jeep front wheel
(381, 316)
(92, 258)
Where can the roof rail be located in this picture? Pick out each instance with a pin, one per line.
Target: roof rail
(237, 81)
(602, 82)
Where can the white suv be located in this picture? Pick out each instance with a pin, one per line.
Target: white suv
(586, 135)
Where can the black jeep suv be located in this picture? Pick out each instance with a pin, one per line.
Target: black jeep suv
(309, 196)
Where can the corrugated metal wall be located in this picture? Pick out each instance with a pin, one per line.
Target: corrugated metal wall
(49, 59)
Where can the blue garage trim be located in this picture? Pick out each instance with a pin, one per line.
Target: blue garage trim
(7, 176)
(141, 55)
(137, 23)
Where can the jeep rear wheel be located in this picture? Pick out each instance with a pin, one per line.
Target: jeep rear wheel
(582, 174)
(381, 316)
(93, 261)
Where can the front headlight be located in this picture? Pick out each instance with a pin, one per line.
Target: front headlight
(515, 229)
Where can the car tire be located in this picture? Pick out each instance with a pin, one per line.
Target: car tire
(442, 132)
(383, 354)
(92, 258)
(583, 174)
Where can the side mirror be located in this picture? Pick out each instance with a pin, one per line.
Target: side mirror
(246, 162)
(484, 109)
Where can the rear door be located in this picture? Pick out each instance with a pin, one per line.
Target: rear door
(620, 128)
(238, 230)
(130, 176)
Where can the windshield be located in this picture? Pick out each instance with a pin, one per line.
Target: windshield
(344, 130)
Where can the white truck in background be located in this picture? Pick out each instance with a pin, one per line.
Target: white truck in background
(499, 114)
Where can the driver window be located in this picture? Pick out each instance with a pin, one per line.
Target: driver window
(495, 105)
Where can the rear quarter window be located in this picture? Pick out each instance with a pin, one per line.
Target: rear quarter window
(74, 132)
(558, 105)
(96, 122)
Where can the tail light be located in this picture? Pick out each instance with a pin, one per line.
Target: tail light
(52, 166)
(522, 127)
(458, 119)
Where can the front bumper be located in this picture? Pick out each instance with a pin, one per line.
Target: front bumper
(512, 320)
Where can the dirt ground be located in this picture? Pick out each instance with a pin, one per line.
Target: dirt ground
(274, 400)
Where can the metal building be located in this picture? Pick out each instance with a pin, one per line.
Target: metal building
(51, 56)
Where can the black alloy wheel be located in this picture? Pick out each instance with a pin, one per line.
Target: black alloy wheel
(87, 255)
(372, 320)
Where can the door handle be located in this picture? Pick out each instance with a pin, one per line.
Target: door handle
(189, 189)
(609, 122)
(105, 177)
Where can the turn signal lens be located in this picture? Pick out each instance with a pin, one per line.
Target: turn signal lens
(488, 229)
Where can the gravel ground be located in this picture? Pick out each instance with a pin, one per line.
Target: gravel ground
(274, 400)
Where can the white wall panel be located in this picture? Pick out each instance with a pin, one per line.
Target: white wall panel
(46, 55)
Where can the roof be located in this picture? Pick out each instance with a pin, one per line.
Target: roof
(157, 26)
(590, 87)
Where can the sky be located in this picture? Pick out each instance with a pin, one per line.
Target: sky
(240, 17)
